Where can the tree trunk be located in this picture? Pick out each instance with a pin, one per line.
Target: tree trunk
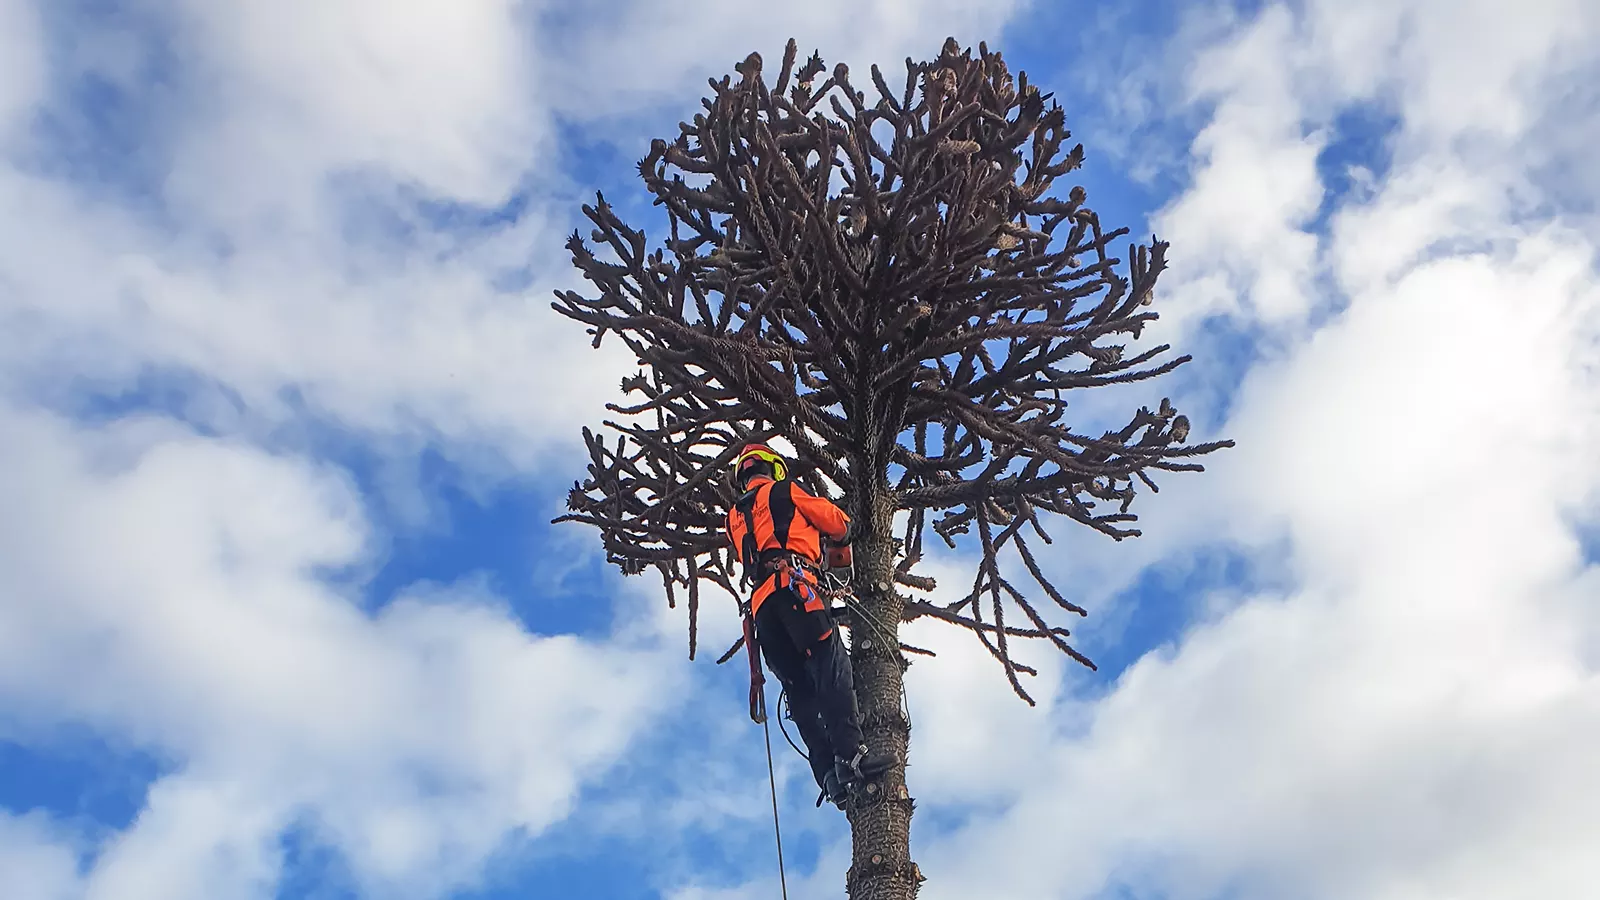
(880, 817)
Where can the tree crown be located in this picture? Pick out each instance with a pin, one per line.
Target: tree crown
(895, 289)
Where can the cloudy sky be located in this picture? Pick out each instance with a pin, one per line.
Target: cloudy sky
(284, 412)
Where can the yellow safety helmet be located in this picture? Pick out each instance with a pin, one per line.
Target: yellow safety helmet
(757, 453)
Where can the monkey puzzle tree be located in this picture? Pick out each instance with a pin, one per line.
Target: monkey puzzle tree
(894, 289)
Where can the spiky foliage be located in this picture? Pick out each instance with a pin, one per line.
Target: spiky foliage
(894, 288)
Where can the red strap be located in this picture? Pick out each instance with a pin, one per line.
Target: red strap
(758, 697)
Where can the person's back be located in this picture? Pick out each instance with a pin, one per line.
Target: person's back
(775, 518)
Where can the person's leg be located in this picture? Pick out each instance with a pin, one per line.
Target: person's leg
(827, 666)
(807, 716)
(788, 664)
(828, 669)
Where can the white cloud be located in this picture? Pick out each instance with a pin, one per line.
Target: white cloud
(39, 864)
(1467, 367)
(660, 51)
(1411, 716)
(274, 243)
(267, 245)
(164, 591)
(22, 68)
(1469, 70)
(1469, 87)
(415, 348)
(257, 241)
(432, 92)
(1255, 186)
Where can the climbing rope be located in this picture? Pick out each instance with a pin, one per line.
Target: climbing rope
(758, 713)
(785, 712)
(772, 783)
(835, 587)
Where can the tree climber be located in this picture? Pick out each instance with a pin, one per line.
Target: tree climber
(776, 529)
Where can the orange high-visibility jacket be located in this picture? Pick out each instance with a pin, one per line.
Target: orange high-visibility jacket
(771, 508)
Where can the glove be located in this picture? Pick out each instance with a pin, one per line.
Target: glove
(849, 534)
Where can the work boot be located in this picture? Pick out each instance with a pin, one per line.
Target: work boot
(833, 790)
(864, 766)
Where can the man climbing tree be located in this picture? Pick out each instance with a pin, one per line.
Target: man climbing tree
(894, 290)
(776, 530)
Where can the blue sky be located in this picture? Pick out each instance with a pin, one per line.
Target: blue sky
(282, 614)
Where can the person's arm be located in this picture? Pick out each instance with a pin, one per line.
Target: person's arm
(821, 513)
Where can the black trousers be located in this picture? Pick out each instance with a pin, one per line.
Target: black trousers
(806, 653)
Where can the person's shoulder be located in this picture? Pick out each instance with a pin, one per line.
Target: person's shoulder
(802, 492)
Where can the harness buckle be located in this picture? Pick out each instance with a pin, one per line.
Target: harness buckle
(785, 565)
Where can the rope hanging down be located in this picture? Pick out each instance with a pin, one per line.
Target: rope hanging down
(758, 713)
(835, 588)
(772, 784)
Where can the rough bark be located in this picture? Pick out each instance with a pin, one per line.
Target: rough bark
(881, 867)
